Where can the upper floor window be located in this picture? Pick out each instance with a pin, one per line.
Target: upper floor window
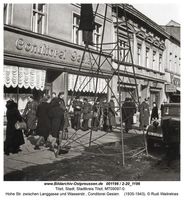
(154, 60)
(139, 54)
(123, 51)
(160, 62)
(77, 35)
(97, 36)
(170, 61)
(147, 57)
(39, 18)
(179, 65)
(175, 64)
(8, 13)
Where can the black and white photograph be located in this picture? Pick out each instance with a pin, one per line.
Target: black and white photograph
(91, 92)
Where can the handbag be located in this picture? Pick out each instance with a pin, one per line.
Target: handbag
(20, 125)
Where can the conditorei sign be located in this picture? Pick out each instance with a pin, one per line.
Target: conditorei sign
(58, 53)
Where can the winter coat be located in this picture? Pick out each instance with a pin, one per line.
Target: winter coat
(144, 114)
(56, 115)
(77, 105)
(43, 126)
(14, 138)
(86, 110)
(128, 110)
(30, 114)
(154, 113)
(111, 113)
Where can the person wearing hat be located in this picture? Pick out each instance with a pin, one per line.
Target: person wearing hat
(29, 115)
(144, 113)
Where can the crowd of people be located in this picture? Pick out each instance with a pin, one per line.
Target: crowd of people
(50, 118)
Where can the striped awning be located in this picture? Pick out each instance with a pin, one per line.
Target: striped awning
(87, 84)
(24, 77)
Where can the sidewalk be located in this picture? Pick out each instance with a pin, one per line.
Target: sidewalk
(30, 157)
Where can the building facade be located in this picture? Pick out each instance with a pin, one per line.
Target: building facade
(148, 47)
(46, 38)
(173, 59)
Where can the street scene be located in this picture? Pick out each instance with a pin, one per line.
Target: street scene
(95, 98)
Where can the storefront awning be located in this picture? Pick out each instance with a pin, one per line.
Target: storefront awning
(86, 84)
(24, 77)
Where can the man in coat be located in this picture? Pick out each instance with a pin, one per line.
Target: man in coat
(44, 124)
(128, 110)
(77, 106)
(144, 113)
(29, 115)
(63, 106)
(111, 114)
(86, 111)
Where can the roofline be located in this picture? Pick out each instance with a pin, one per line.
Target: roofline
(145, 19)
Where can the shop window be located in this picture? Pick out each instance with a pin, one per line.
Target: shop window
(8, 9)
(147, 57)
(97, 35)
(39, 18)
(77, 35)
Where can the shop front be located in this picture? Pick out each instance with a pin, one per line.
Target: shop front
(172, 89)
(34, 62)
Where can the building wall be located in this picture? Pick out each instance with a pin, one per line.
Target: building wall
(150, 78)
(22, 16)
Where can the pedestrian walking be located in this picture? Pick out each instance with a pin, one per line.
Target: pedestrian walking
(56, 116)
(154, 112)
(53, 97)
(14, 138)
(77, 106)
(95, 117)
(86, 112)
(29, 115)
(111, 114)
(44, 124)
(128, 111)
(144, 113)
(66, 115)
(105, 109)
